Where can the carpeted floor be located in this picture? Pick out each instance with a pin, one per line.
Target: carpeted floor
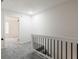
(18, 51)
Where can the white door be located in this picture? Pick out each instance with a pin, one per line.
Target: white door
(12, 27)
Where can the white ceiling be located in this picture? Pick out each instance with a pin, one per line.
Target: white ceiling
(25, 6)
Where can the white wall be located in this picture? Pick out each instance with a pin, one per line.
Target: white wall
(24, 24)
(25, 28)
(60, 21)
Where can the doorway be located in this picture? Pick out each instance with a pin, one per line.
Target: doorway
(11, 30)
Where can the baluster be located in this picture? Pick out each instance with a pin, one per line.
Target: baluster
(48, 47)
(54, 49)
(57, 49)
(33, 42)
(61, 50)
(71, 50)
(36, 43)
(51, 48)
(45, 46)
(77, 50)
(66, 50)
(40, 43)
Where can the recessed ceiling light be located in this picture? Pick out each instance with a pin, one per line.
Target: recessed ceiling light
(30, 13)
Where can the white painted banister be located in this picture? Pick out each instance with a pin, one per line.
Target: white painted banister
(54, 47)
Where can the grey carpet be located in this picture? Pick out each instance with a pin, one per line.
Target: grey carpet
(19, 51)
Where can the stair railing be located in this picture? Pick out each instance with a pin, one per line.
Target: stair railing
(55, 48)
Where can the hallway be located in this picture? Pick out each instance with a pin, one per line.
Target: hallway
(13, 50)
(39, 29)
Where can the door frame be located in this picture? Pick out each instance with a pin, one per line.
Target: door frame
(6, 17)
